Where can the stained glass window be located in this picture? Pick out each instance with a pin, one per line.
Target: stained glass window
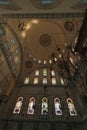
(18, 105)
(31, 106)
(71, 107)
(57, 106)
(44, 107)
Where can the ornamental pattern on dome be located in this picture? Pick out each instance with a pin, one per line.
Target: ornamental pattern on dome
(46, 4)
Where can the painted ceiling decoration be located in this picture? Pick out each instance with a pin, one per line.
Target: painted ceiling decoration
(11, 49)
(46, 4)
(69, 26)
(45, 38)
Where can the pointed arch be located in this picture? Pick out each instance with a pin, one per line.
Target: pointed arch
(57, 106)
(18, 105)
(44, 106)
(31, 106)
(71, 107)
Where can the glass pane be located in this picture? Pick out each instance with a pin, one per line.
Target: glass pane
(44, 72)
(35, 80)
(6, 45)
(44, 80)
(44, 107)
(54, 81)
(71, 107)
(62, 81)
(18, 105)
(57, 106)
(37, 73)
(52, 73)
(26, 81)
(31, 106)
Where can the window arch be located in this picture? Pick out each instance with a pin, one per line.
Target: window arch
(18, 105)
(54, 81)
(57, 106)
(26, 81)
(31, 106)
(52, 72)
(37, 73)
(62, 81)
(71, 107)
(35, 80)
(44, 106)
(44, 80)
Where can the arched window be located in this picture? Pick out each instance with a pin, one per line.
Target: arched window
(71, 107)
(57, 106)
(18, 105)
(35, 80)
(26, 81)
(62, 81)
(44, 80)
(31, 106)
(54, 81)
(37, 73)
(44, 107)
(52, 72)
(44, 72)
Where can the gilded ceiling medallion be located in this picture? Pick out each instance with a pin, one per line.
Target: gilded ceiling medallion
(45, 40)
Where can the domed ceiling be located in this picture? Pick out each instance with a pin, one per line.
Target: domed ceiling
(43, 38)
(43, 41)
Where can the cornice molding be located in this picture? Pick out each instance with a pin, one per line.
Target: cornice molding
(43, 15)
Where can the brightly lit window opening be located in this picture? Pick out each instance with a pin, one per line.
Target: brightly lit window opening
(18, 105)
(44, 72)
(37, 73)
(44, 80)
(57, 106)
(52, 72)
(71, 60)
(26, 81)
(44, 107)
(54, 81)
(31, 106)
(71, 107)
(36, 80)
(62, 81)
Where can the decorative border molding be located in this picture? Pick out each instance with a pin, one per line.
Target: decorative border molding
(43, 15)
